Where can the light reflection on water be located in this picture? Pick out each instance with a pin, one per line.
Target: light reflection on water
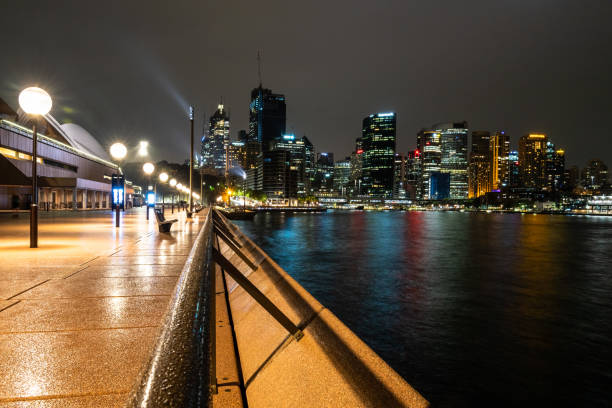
(471, 309)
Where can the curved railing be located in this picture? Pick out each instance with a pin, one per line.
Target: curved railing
(177, 373)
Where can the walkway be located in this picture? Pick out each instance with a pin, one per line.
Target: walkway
(79, 315)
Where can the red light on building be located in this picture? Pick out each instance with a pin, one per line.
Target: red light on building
(417, 153)
(427, 143)
(359, 151)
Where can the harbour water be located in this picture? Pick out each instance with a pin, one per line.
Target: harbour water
(471, 309)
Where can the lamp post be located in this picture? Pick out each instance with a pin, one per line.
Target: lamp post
(244, 192)
(148, 168)
(172, 184)
(163, 177)
(34, 101)
(190, 163)
(118, 152)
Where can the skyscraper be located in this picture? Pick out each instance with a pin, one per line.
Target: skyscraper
(297, 159)
(554, 168)
(532, 148)
(399, 176)
(216, 142)
(309, 165)
(378, 144)
(454, 159)
(481, 164)
(324, 177)
(413, 173)
(267, 117)
(428, 143)
(503, 150)
(595, 175)
(342, 173)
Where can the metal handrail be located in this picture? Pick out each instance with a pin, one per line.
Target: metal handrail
(177, 373)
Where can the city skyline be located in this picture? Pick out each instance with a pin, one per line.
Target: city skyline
(539, 78)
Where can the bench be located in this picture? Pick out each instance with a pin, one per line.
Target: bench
(163, 224)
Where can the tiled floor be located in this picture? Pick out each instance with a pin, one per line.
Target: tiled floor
(79, 315)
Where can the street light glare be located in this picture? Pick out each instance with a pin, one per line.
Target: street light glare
(118, 151)
(173, 182)
(143, 148)
(35, 101)
(148, 168)
(179, 186)
(163, 177)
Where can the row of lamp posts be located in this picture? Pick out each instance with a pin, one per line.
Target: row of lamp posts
(36, 102)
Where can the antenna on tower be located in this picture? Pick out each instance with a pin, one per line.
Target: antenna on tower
(259, 67)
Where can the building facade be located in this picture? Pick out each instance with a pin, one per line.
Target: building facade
(216, 143)
(532, 149)
(378, 145)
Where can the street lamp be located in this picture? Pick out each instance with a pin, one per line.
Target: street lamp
(148, 168)
(190, 162)
(118, 151)
(163, 177)
(34, 101)
(172, 184)
(143, 148)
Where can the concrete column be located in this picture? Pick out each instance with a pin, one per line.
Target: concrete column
(74, 199)
(84, 198)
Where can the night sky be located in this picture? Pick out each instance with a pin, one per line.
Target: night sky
(127, 70)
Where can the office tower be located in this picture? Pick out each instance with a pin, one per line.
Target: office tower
(216, 141)
(454, 158)
(342, 174)
(297, 160)
(356, 164)
(279, 182)
(309, 165)
(413, 173)
(481, 163)
(571, 178)
(428, 143)
(532, 148)
(267, 117)
(554, 168)
(236, 154)
(514, 169)
(595, 175)
(324, 177)
(378, 145)
(503, 150)
(399, 176)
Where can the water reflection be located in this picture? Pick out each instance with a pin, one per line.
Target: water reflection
(472, 309)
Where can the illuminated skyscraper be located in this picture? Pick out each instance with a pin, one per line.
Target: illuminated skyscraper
(413, 173)
(378, 145)
(323, 185)
(342, 173)
(428, 143)
(267, 117)
(502, 143)
(554, 168)
(399, 176)
(297, 160)
(532, 149)
(454, 160)
(481, 164)
(216, 142)
(595, 175)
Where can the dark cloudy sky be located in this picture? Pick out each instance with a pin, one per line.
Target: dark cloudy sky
(128, 69)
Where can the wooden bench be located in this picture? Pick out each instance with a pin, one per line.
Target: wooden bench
(163, 224)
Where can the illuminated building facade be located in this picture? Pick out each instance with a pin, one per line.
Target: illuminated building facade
(324, 178)
(500, 176)
(216, 143)
(532, 149)
(267, 117)
(413, 173)
(399, 176)
(297, 160)
(378, 145)
(454, 156)
(514, 169)
(309, 165)
(342, 175)
(481, 164)
(554, 168)
(74, 170)
(428, 143)
(595, 175)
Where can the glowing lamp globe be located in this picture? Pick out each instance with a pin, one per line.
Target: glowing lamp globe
(118, 151)
(35, 101)
(148, 168)
(179, 186)
(173, 182)
(163, 177)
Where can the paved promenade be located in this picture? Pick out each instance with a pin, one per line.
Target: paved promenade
(80, 314)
